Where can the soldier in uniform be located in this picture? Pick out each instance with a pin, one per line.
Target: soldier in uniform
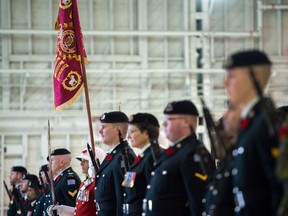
(143, 128)
(108, 190)
(24, 188)
(219, 199)
(16, 175)
(256, 189)
(66, 181)
(45, 185)
(180, 174)
(33, 192)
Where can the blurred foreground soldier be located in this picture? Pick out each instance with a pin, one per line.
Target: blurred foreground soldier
(179, 178)
(108, 190)
(143, 127)
(16, 175)
(219, 199)
(44, 181)
(256, 189)
(85, 204)
(66, 181)
(33, 192)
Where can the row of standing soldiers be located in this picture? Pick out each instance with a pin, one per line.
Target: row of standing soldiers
(182, 179)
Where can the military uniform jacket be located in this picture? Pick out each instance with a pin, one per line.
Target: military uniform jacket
(108, 190)
(38, 207)
(256, 188)
(178, 181)
(13, 207)
(85, 204)
(66, 187)
(142, 167)
(219, 200)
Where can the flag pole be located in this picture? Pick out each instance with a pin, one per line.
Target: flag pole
(87, 103)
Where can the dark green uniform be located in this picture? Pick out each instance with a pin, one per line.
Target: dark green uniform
(256, 188)
(141, 172)
(108, 190)
(178, 181)
(219, 200)
(15, 203)
(66, 187)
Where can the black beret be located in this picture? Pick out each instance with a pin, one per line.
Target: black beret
(30, 177)
(114, 117)
(20, 169)
(247, 58)
(144, 118)
(33, 182)
(185, 107)
(59, 151)
(44, 168)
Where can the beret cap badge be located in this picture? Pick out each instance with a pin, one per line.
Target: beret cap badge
(169, 108)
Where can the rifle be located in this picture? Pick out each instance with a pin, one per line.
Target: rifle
(8, 192)
(218, 149)
(50, 171)
(92, 157)
(268, 107)
(155, 148)
(125, 155)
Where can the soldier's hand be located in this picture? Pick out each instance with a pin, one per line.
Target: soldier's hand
(63, 210)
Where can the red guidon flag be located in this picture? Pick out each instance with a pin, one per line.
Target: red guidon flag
(67, 77)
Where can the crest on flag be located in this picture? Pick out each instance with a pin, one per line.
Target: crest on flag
(67, 77)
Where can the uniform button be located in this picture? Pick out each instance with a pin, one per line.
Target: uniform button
(219, 176)
(204, 214)
(204, 200)
(148, 186)
(124, 194)
(97, 176)
(235, 190)
(234, 152)
(95, 188)
(226, 174)
(103, 175)
(237, 209)
(152, 173)
(240, 150)
(234, 171)
(164, 172)
(215, 192)
(211, 188)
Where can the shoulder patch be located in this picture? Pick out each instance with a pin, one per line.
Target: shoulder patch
(71, 181)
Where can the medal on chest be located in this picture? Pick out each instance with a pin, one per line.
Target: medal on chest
(129, 179)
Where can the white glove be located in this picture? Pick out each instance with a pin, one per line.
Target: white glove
(63, 210)
(91, 169)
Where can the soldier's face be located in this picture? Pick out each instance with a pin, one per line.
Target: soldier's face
(173, 127)
(56, 165)
(43, 176)
(109, 133)
(136, 138)
(24, 185)
(239, 86)
(31, 194)
(13, 177)
(85, 166)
